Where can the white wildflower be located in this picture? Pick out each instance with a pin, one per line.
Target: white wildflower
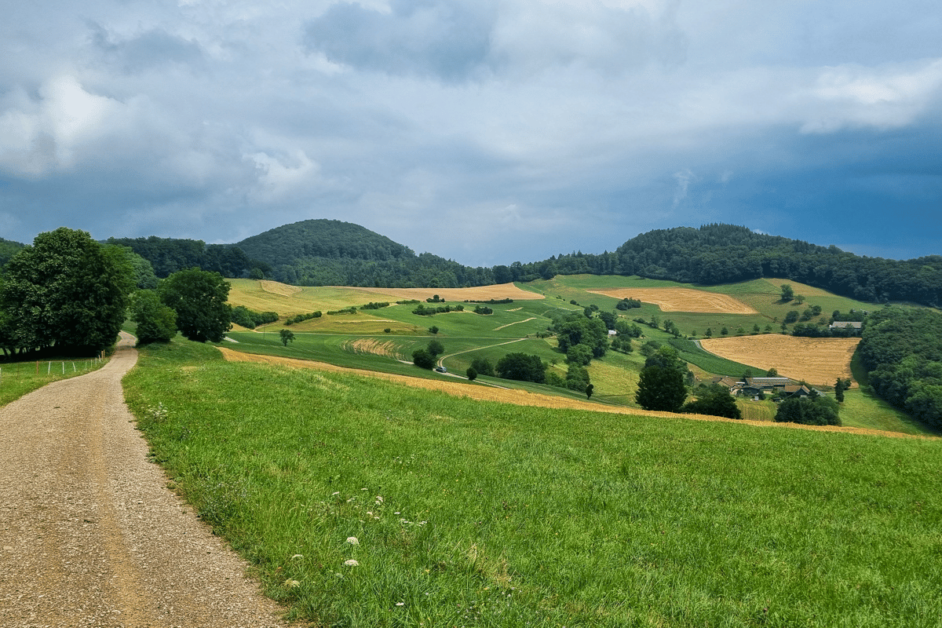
(335, 493)
(291, 584)
(352, 540)
(351, 563)
(297, 556)
(400, 603)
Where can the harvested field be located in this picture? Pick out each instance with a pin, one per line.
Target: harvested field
(385, 348)
(524, 398)
(480, 293)
(818, 361)
(682, 300)
(281, 289)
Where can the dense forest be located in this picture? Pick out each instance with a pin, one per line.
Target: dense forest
(169, 255)
(902, 350)
(715, 254)
(331, 252)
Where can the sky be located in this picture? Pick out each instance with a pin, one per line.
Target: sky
(483, 131)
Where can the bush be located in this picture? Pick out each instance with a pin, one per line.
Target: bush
(808, 411)
(522, 367)
(471, 373)
(423, 359)
(714, 400)
(483, 366)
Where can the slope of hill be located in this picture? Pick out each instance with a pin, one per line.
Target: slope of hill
(8, 249)
(331, 252)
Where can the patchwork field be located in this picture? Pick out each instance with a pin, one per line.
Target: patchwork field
(681, 300)
(480, 293)
(818, 361)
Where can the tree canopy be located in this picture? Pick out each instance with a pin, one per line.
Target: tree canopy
(67, 291)
(522, 367)
(199, 299)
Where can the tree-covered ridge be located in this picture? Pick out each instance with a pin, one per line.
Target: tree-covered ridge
(715, 254)
(331, 252)
(8, 249)
(902, 350)
(170, 255)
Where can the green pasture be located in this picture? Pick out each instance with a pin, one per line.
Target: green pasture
(468, 513)
(20, 378)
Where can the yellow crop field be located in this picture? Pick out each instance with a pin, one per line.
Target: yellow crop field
(818, 361)
(458, 388)
(682, 300)
(371, 346)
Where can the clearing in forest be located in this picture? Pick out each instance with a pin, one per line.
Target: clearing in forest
(682, 300)
(818, 361)
(479, 293)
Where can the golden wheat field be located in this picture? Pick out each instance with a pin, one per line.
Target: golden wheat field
(682, 300)
(479, 293)
(371, 346)
(524, 398)
(818, 361)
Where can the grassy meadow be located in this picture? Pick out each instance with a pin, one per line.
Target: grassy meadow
(469, 513)
(20, 378)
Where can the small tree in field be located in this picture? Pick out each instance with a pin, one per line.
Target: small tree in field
(788, 293)
(435, 347)
(423, 359)
(471, 373)
(286, 336)
(433, 329)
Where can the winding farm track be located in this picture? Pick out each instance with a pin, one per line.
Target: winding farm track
(90, 534)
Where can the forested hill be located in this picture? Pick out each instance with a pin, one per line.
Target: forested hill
(715, 254)
(331, 252)
(8, 249)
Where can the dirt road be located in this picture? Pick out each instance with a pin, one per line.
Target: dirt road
(89, 533)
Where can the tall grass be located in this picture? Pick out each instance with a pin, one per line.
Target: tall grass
(470, 513)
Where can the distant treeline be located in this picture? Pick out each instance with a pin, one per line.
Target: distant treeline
(169, 255)
(715, 254)
(902, 351)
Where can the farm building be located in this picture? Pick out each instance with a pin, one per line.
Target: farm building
(846, 325)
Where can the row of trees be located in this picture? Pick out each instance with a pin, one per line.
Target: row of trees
(902, 351)
(70, 294)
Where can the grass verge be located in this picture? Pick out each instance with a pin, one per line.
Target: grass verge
(471, 513)
(21, 378)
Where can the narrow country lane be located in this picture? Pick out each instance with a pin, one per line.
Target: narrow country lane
(89, 533)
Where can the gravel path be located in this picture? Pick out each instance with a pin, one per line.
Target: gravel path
(90, 534)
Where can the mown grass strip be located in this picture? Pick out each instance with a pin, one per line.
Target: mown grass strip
(21, 378)
(471, 513)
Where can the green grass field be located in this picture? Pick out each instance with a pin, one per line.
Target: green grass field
(20, 378)
(481, 514)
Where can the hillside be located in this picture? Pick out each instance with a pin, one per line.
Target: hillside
(715, 254)
(331, 252)
(8, 249)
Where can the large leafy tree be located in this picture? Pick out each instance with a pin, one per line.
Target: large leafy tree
(661, 388)
(155, 321)
(67, 291)
(522, 367)
(199, 299)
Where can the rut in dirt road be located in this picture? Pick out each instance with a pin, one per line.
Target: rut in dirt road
(90, 534)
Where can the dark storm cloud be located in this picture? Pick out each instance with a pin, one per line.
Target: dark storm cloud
(147, 50)
(444, 39)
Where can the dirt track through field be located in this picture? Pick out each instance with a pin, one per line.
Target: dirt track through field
(90, 534)
(524, 398)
